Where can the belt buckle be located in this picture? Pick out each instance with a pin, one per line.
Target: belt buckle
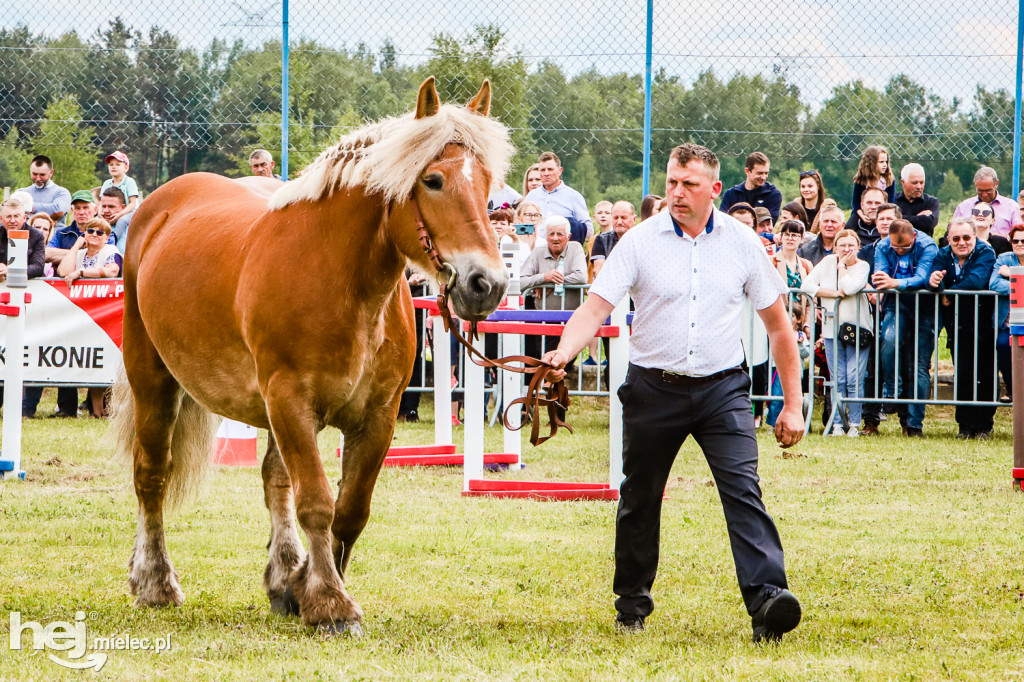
(665, 373)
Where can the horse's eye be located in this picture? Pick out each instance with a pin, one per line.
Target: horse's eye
(434, 181)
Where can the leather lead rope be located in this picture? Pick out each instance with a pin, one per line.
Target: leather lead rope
(556, 394)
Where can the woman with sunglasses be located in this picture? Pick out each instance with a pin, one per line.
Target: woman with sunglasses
(91, 256)
(983, 216)
(999, 282)
(812, 196)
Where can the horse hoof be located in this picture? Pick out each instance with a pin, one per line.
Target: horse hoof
(353, 629)
(285, 604)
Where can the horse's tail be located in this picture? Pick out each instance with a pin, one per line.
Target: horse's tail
(191, 441)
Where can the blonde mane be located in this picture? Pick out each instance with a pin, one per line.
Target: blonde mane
(386, 157)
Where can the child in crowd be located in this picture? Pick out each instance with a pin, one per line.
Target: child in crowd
(798, 317)
(873, 171)
(117, 166)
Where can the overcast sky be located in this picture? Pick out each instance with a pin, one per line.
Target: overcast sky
(944, 45)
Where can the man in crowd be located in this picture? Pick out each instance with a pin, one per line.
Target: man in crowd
(903, 263)
(686, 378)
(830, 221)
(261, 163)
(755, 190)
(82, 210)
(871, 414)
(870, 200)
(964, 265)
(623, 219)
(112, 203)
(47, 196)
(12, 217)
(550, 267)
(555, 198)
(919, 209)
(1007, 212)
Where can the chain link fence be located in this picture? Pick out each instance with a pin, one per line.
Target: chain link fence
(191, 85)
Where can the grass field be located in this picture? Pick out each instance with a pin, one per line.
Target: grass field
(906, 555)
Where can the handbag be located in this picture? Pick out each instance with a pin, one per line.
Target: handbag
(852, 335)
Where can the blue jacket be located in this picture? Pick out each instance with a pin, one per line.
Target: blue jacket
(767, 195)
(973, 315)
(922, 255)
(975, 274)
(1001, 285)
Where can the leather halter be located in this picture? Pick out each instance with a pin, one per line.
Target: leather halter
(556, 394)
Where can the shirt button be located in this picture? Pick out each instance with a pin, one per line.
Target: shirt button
(695, 269)
(693, 324)
(691, 352)
(695, 297)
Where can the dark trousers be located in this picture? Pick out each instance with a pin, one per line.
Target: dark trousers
(657, 417)
(975, 372)
(67, 400)
(1003, 359)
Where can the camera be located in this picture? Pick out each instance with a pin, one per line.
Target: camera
(523, 228)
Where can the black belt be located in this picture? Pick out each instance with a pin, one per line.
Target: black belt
(685, 380)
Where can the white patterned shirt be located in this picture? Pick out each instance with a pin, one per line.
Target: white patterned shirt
(689, 293)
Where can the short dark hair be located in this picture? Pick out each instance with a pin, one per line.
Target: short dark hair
(549, 156)
(116, 193)
(755, 159)
(901, 227)
(42, 160)
(874, 189)
(795, 226)
(890, 207)
(743, 207)
(502, 214)
(685, 153)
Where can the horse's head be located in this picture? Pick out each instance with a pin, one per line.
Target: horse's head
(450, 197)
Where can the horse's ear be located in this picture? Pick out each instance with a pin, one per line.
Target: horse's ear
(427, 102)
(481, 104)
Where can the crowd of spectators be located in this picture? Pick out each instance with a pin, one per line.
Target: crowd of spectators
(878, 279)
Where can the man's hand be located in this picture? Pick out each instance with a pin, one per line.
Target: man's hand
(1004, 271)
(555, 277)
(789, 427)
(3, 271)
(936, 278)
(883, 281)
(558, 360)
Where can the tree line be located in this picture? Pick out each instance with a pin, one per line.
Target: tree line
(177, 109)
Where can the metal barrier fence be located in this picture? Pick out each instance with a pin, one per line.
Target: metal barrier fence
(184, 86)
(931, 322)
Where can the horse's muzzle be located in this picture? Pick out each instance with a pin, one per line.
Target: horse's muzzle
(478, 291)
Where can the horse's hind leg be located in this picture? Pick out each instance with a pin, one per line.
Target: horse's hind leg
(361, 463)
(285, 548)
(323, 601)
(152, 578)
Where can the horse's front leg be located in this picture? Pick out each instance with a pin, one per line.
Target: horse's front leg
(285, 549)
(317, 586)
(361, 462)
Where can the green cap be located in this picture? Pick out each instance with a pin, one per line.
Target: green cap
(82, 195)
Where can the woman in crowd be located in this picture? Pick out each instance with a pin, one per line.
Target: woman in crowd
(812, 196)
(529, 213)
(965, 266)
(983, 216)
(873, 171)
(841, 277)
(794, 210)
(501, 223)
(531, 179)
(650, 206)
(44, 223)
(791, 266)
(1000, 283)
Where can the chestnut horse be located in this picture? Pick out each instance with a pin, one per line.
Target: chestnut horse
(296, 318)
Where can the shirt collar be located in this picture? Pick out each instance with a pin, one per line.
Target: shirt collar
(557, 187)
(679, 231)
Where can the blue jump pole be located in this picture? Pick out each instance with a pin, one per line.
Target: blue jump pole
(647, 99)
(284, 89)
(1017, 103)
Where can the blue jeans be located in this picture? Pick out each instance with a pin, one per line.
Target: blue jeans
(914, 335)
(848, 367)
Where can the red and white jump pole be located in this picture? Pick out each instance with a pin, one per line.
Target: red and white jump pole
(13, 301)
(1017, 361)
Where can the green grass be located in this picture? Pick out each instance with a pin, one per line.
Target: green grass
(905, 554)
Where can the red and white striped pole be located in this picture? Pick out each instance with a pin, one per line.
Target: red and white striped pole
(1017, 360)
(12, 306)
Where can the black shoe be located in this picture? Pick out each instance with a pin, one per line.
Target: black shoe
(62, 415)
(963, 435)
(779, 614)
(25, 414)
(911, 432)
(410, 417)
(982, 435)
(629, 623)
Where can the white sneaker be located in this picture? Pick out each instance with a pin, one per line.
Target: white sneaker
(837, 430)
(853, 432)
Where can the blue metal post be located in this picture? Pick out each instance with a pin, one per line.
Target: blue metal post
(1017, 107)
(647, 99)
(284, 89)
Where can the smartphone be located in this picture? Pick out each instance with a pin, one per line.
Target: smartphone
(523, 228)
